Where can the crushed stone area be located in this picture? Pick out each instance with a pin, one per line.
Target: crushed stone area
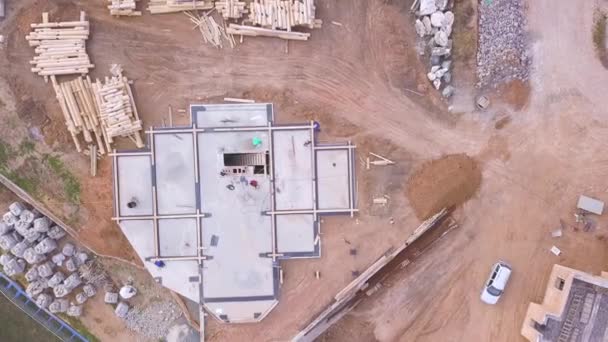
(155, 320)
(502, 52)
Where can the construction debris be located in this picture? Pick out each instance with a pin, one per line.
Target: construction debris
(60, 47)
(93, 155)
(283, 14)
(381, 200)
(253, 31)
(211, 31)
(556, 233)
(380, 161)
(123, 8)
(89, 290)
(56, 233)
(555, 251)
(172, 6)
(237, 100)
(590, 205)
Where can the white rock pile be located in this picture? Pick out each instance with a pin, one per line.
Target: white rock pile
(29, 238)
(434, 27)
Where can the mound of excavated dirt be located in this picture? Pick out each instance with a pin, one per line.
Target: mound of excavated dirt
(444, 182)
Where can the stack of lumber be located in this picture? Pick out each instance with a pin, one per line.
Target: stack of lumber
(60, 47)
(211, 31)
(117, 111)
(172, 6)
(283, 14)
(231, 9)
(254, 31)
(123, 8)
(80, 110)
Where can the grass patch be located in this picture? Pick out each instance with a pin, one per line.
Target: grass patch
(6, 153)
(26, 147)
(599, 36)
(77, 325)
(71, 185)
(17, 326)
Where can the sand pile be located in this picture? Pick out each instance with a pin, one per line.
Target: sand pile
(444, 182)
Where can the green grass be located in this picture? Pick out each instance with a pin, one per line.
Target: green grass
(599, 35)
(6, 153)
(77, 325)
(16, 326)
(71, 185)
(26, 147)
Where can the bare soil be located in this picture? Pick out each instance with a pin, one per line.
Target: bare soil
(443, 183)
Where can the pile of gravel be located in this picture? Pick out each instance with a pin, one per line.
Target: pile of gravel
(502, 53)
(154, 320)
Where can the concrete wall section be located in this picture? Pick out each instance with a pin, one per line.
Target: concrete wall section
(333, 179)
(293, 169)
(175, 179)
(232, 115)
(134, 183)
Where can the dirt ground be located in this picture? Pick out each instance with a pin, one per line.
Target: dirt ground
(355, 79)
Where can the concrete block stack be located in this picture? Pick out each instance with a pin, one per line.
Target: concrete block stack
(8, 241)
(19, 248)
(56, 233)
(31, 274)
(71, 264)
(74, 311)
(47, 245)
(56, 279)
(58, 259)
(44, 300)
(81, 298)
(14, 266)
(45, 269)
(32, 257)
(42, 224)
(5, 228)
(89, 290)
(68, 249)
(111, 298)
(59, 306)
(35, 288)
(434, 23)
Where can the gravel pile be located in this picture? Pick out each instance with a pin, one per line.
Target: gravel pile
(502, 53)
(153, 321)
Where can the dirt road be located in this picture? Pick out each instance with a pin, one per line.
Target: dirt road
(533, 171)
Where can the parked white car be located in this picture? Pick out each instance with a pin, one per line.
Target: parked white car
(497, 282)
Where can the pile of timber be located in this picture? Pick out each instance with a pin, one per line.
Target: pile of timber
(117, 110)
(80, 110)
(60, 47)
(283, 14)
(231, 9)
(123, 8)
(211, 31)
(99, 111)
(172, 6)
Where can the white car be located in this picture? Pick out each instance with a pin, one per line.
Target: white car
(497, 282)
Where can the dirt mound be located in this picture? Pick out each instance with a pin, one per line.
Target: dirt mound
(444, 182)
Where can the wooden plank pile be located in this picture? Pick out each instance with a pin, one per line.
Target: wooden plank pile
(172, 6)
(60, 47)
(123, 8)
(79, 106)
(283, 14)
(117, 111)
(277, 18)
(99, 111)
(231, 9)
(211, 31)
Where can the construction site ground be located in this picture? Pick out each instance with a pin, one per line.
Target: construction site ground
(538, 147)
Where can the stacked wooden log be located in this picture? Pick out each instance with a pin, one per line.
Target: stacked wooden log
(172, 6)
(60, 47)
(123, 8)
(283, 14)
(211, 31)
(117, 110)
(231, 9)
(80, 110)
(253, 31)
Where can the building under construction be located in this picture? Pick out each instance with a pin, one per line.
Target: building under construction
(213, 207)
(575, 308)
